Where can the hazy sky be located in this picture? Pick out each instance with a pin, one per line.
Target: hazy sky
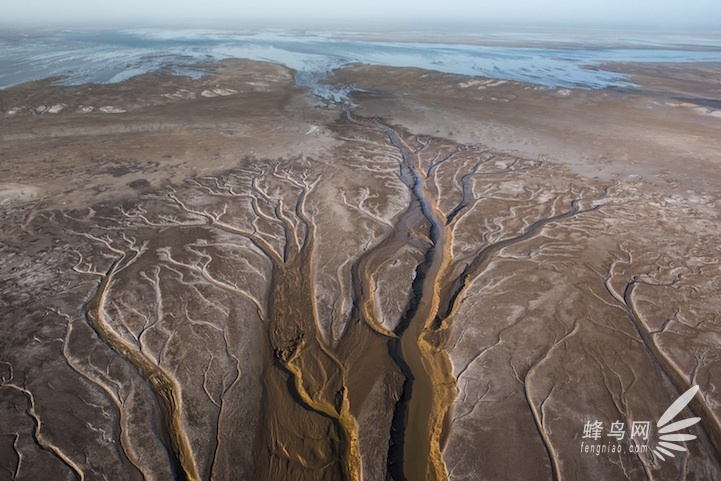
(682, 13)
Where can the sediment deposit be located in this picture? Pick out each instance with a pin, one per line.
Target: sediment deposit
(446, 278)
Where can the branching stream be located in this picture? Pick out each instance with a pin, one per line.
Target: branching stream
(314, 387)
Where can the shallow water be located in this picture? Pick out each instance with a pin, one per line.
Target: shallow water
(549, 60)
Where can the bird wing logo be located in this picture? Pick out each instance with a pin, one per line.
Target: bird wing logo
(669, 434)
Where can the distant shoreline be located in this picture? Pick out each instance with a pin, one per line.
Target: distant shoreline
(111, 56)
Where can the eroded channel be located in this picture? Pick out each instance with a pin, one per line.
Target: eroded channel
(317, 387)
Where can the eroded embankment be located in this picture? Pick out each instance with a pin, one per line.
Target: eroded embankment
(165, 388)
(314, 379)
(314, 389)
(441, 282)
(668, 369)
(433, 384)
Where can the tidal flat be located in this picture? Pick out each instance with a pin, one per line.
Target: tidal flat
(438, 276)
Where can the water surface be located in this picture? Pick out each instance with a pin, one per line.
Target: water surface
(552, 60)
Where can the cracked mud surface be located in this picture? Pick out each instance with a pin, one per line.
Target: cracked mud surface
(227, 279)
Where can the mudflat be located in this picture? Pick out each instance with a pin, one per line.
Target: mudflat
(444, 278)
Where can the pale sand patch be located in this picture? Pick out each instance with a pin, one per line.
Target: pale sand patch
(109, 109)
(57, 108)
(181, 94)
(218, 93)
(708, 112)
(13, 193)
